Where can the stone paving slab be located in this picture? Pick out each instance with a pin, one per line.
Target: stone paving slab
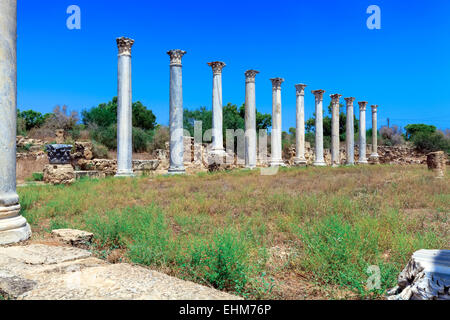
(41, 272)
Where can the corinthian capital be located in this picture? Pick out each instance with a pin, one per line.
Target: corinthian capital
(217, 66)
(335, 98)
(374, 108)
(250, 75)
(175, 56)
(350, 100)
(124, 45)
(276, 83)
(318, 94)
(300, 89)
(362, 105)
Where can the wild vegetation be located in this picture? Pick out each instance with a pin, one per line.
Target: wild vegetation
(99, 124)
(304, 233)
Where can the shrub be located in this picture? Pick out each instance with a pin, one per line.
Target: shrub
(339, 252)
(141, 140)
(21, 127)
(38, 176)
(42, 133)
(430, 142)
(107, 136)
(160, 137)
(99, 151)
(222, 262)
(61, 119)
(391, 136)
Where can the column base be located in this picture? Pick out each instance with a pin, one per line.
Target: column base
(176, 171)
(351, 164)
(13, 227)
(217, 152)
(300, 162)
(277, 163)
(319, 164)
(15, 235)
(363, 162)
(125, 174)
(335, 165)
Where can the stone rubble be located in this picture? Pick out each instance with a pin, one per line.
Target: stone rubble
(426, 277)
(42, 272)
(75, 238)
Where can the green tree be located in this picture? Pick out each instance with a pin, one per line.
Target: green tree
(233, 118)
(311, 124)
(414, 129)
(105, 114)
(32, 119)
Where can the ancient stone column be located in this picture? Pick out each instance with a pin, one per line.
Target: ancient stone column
(250, 119)
(13, 227)
(437, 162)
(350, 132)
(362, 132)
(300, 159)
(319, 161)
(374, 156)
(176, 113)
(124, 110)
(217, 116)
(276, 152)
(335, 142)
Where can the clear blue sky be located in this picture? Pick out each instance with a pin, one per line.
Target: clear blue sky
(404, 67)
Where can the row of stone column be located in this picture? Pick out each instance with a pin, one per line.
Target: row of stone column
(176, 118)
(276, 158)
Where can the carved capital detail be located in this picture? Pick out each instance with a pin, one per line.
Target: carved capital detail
(362, 105)
(335, 98)
(250, 75)
(276, 83)
(217, 66)
(124, 45)
(374, 108)
(318, 94)
(350, 100)
(300, 88)
(175, 56)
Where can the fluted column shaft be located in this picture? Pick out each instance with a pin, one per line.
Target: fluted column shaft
(124, 110)
(250, 119)
(276, 148)
(217, 112)
(319, 161)
(13, 227)
(176, 113)
(362, 133)
(300, 159)
(350, 132)
(335, 154)
(374, 154)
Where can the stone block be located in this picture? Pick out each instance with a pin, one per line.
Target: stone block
(73, 237)
(59, 174)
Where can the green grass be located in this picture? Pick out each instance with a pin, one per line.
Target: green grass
(221, 229)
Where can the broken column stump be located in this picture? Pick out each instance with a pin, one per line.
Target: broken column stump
(437, 163)
(426, 277)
